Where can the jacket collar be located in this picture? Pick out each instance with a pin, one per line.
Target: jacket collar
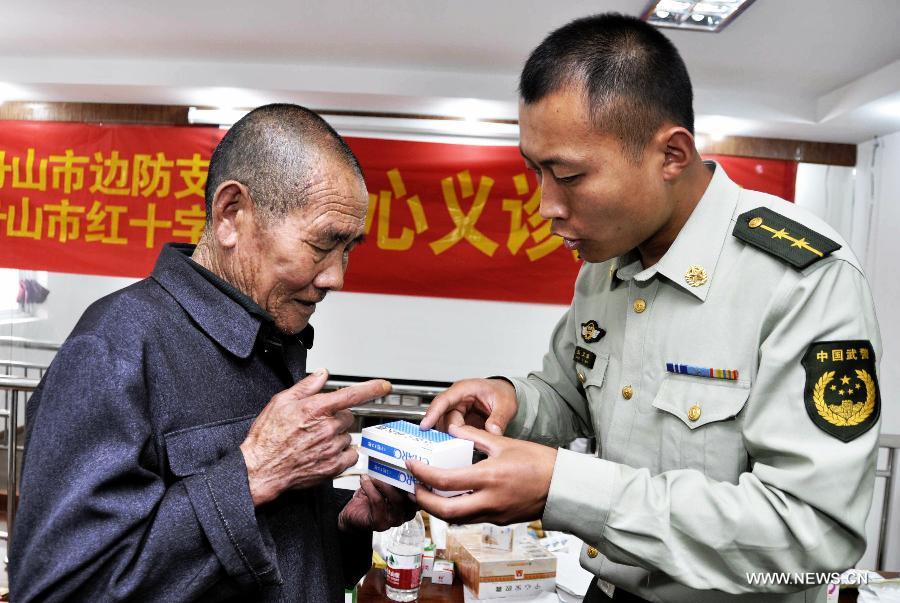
(222, 318)
(699, 243)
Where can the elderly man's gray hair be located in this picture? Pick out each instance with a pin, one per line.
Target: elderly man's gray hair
(272, 151)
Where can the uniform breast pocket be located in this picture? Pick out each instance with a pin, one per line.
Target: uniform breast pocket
(592, 378)
(192, 450)
(701, 424)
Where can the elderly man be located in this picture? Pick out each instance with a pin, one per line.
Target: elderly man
(175, 450)
(721, 346)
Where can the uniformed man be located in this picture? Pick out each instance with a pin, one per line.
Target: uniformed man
(721, 346)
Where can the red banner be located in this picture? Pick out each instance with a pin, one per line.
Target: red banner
(457, 221)
(772, 176)
(444, 220)
(99, 199)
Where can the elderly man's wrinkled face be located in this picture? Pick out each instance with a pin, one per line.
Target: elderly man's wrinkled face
(291, 262)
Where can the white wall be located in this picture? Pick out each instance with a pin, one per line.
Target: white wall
(828, 192)
(429, 338)
(861, 203)
(359, 334)
(877, 194)
(70, 295)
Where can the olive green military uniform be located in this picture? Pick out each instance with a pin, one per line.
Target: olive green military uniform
(732, 390)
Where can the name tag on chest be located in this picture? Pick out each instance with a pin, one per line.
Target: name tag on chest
(585, 357)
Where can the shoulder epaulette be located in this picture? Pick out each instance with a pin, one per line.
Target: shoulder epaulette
(782, 237)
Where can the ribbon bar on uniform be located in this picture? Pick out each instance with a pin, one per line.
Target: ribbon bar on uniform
(702, 371)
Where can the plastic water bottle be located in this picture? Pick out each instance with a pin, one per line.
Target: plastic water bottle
(404, 560)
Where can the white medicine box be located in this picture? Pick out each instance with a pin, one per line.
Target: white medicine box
(389, 446)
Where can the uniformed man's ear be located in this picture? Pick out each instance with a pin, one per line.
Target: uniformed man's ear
(679, 150)
(231, 210)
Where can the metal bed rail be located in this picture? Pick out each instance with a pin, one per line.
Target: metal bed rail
(22, 370)
(424, 391)
(19, 364)
(389, 410)
(20, 389)
(891, 442)
(28, 344)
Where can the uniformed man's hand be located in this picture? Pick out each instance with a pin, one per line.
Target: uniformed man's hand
(300, 438)
(484, 403)
(510, 485)
(375, 506)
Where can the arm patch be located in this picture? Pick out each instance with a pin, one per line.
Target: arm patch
(841, 394)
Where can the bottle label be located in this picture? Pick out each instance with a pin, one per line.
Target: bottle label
(403, 570)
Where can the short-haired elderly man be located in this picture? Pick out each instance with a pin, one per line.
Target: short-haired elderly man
(721, 346)
(177, 448)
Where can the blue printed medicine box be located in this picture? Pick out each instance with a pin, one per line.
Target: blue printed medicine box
(390, 445)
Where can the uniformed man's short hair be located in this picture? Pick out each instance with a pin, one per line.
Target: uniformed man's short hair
(272, 151)
(632, 75)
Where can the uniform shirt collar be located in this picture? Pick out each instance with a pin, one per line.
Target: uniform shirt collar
(228, 316)
(699, 243)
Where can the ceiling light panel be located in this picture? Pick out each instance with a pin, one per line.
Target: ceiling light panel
(699, 15)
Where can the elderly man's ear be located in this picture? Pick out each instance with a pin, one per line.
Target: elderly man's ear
(232, 211)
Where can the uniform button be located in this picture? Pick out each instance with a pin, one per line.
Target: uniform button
(627, 392)
(592, 552)
(694, 412)
(639, 305)
(755, 222)
(581, 377)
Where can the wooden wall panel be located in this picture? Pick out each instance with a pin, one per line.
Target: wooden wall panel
(826, 153)
(169, 115)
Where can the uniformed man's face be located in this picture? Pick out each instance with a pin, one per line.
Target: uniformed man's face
(294, 261)
(601, 200)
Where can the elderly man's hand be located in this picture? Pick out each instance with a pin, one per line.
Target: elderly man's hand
(376, 506)
(510, 485)
(485, 403)
(300, 438)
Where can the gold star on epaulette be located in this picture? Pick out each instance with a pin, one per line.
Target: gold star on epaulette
(768, 230)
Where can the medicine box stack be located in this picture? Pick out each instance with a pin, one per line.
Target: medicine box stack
(389, 446)
(527, 570)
